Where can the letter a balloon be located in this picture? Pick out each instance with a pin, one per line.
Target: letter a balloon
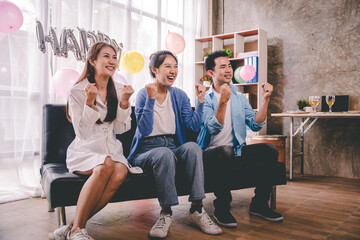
(133, 62)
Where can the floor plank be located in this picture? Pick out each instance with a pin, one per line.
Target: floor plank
(313, 208)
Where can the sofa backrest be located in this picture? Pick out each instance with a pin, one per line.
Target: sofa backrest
(58, 133)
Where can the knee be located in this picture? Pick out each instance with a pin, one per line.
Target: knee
(225, 153)
(193, 148)
(106, 169)
(120, 174)
(270, 151)
(194, 154)
(164, 157)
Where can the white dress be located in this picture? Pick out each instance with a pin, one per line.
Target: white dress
(94, 142)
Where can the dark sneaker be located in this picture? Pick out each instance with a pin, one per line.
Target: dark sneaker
(266, 213)
(225, 219)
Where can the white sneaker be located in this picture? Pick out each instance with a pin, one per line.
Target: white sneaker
(161, 227)
(80, 234)
(60, 233)
(204, 222)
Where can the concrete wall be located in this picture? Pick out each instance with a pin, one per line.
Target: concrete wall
(313, 49)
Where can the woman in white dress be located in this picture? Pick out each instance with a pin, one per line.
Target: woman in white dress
(98, 108)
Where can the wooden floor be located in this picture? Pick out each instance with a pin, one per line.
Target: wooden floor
(313, 208)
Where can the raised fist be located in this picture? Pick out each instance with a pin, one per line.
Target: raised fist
(267, 90)
(151, 90)
(91, 93)
(225, 92)
(200, 92)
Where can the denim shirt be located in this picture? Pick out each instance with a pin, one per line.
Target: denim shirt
(185, 117)
(241, 115)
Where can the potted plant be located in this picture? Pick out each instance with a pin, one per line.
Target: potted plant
(206, 80)
(228, 51)
(302, 103)
(206, 54)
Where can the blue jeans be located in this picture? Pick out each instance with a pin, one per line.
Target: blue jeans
(160, 154)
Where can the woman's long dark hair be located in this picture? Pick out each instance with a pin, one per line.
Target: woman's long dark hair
(89, 73)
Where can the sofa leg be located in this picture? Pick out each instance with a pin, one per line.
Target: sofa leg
(61, 216)
(273, 197)
(50, 209)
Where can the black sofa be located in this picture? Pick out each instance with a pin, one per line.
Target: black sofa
(63, 188)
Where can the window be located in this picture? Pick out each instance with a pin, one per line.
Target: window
(141, 25)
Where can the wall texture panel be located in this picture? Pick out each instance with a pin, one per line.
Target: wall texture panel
(313, 49)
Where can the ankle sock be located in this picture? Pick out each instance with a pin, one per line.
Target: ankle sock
(166, 211)
(196, 208)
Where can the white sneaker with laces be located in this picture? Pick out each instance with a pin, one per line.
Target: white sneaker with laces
(60, 233)
(161, 227)
(204, 222)
(80, 234)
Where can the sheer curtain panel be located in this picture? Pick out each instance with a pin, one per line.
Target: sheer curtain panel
(26, 74)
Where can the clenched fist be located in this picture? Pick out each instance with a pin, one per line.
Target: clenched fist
(126, 93)
(225, 92)
(91, 93)
(151, 90)
(200, 92)
(267, 90)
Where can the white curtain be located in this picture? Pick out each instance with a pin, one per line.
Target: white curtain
(21, 97)
(26, 74)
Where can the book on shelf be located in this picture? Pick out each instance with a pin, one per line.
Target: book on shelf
(252, 61)
(247, 54)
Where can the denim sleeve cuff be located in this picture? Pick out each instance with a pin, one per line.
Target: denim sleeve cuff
(199, 106)
(257, 126)
(149, 103)
(213, 126)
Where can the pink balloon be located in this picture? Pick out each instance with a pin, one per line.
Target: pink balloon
(174, 42)
(119, 78)
(63, 80)
(11, 17)
(247, 72)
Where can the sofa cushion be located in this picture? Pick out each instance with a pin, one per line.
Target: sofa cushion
(63, 188)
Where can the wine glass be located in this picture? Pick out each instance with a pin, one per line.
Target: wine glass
(314, 101)
(330, 100)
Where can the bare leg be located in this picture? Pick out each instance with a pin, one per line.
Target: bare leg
(91, 192)
(197, 203)
(117, 178)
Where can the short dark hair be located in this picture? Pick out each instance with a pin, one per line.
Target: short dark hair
(157, 58)
(210, 60)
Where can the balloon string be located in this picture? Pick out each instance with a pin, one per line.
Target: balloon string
(166, 17)
(178, 13)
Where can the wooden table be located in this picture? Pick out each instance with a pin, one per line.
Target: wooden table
(306, 117)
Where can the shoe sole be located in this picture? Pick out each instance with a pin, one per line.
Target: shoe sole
(279, 219)
(156, 237)
(198, 227)
(228, 225)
